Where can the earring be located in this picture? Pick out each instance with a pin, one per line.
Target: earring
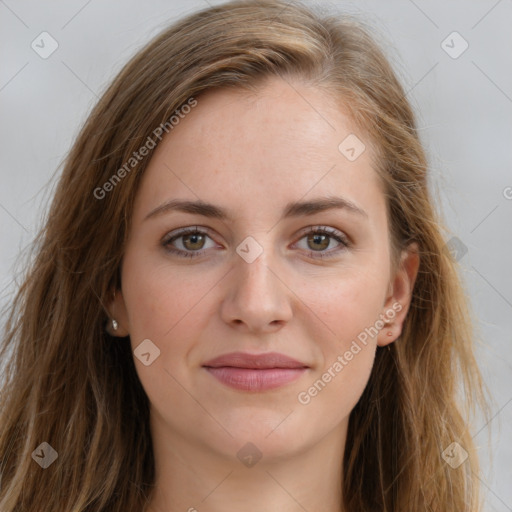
(115, 325)
(389, 333)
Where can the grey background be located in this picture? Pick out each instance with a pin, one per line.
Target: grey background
(464, 110)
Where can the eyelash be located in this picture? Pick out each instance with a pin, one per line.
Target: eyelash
(315, 230)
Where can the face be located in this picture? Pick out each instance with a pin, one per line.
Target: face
(272, 240)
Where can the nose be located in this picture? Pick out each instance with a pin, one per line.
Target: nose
(256, 299)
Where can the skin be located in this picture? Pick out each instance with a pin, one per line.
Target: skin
(245, 153)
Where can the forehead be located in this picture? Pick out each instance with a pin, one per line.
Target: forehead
(279, 143)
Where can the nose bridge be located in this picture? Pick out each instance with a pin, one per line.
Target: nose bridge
(256, 297)
(257, 276)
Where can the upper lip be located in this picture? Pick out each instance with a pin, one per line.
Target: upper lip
(257, 361)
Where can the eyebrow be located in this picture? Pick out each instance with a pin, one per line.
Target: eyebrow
(294, 209)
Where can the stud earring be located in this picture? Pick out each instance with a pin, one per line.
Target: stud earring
(115, 325)
(389, 333)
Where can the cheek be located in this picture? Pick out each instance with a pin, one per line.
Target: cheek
(167, 308)
(347, 302)
(348, 306)
(348, 311)
(160, 299)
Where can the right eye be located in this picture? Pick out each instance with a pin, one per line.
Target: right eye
(188, 242)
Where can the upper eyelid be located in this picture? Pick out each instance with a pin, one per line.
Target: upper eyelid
(320, 227)
(176, 233)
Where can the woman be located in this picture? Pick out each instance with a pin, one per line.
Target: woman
(241, 297)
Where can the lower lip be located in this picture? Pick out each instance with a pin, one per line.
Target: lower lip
(248, 379)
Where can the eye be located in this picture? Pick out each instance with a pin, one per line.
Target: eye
(188, 242)
(323, 242)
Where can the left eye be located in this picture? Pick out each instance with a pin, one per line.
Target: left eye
(321, 240)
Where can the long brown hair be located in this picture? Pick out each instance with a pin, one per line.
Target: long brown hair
(70, 384)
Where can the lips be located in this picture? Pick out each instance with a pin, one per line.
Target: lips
(255, 372)
(256, 361)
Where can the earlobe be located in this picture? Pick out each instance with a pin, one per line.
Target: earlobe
(400, 295)
(117, 322)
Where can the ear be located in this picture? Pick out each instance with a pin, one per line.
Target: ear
(399, 296)
(117, 310)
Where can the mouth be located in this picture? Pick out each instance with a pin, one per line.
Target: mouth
(255, 372)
